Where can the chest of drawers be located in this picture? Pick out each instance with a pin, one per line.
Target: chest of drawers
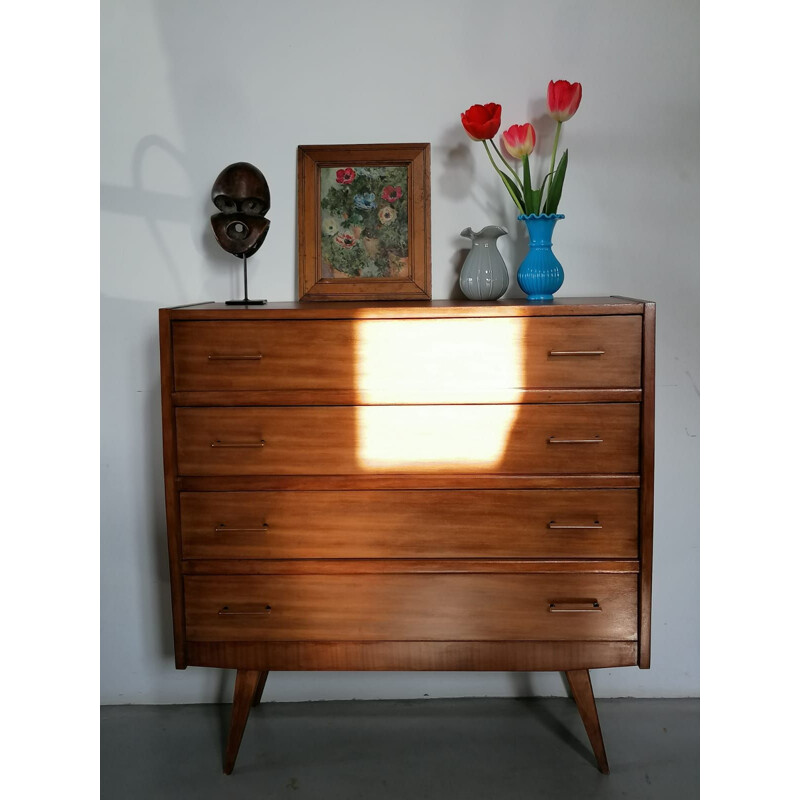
(410, 486)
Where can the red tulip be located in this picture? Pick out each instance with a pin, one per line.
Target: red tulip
(563, 99)
(519, 140)
(481, 122)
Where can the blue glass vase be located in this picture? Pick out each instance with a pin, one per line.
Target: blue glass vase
(540, 274)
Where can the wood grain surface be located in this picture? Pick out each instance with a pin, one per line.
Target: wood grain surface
(580, 683)
(390, 480)
(410, 524)
(390, 360)
(647, 488)
(427, 396)
(244, 695)
(478, 607)
(419, 439)
(171, 493)
(414, 309)
(378, 566)
(413, 656)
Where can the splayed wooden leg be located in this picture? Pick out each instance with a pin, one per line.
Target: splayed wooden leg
(581, 685)
(247, 681)
(262, 680)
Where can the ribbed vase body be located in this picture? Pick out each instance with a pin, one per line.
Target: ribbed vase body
(484, 275)
(540, 274)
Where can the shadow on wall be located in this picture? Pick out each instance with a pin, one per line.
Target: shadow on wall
(191, 84)
(155, 208)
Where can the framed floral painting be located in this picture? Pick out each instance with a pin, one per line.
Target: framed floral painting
(364, 222)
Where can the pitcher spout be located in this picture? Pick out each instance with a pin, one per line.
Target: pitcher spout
(492, 232)
(489, 232)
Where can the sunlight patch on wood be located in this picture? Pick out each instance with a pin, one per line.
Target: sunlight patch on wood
(443, 359)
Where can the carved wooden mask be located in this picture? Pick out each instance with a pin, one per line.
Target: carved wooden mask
(241, 194)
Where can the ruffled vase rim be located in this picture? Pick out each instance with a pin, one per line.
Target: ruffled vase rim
(487, 230)
(524, 217)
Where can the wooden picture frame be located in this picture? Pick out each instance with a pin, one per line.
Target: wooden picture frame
(363, 222)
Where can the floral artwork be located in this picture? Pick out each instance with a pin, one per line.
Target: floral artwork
(364, 213)
(364, 222)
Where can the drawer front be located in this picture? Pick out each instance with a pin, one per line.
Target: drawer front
(475, 439)
(407, 607)
(385, 360)
(488, 523)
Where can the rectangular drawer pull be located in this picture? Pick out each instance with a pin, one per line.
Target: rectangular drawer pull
(556, 440)
(234, 357)
(250, 611)
(574, 606)
(223, 528)
(218, 443)
(577, 352)
(555, 526)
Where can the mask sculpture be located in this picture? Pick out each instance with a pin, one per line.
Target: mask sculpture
(241, 194)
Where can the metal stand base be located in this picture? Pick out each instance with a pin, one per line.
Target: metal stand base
(245, 302)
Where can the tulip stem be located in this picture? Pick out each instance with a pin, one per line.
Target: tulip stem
(509, 167)
(505, 178)
(553, 159)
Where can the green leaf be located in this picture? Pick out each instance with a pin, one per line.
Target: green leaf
(513, 191)
(537, 195)
(557, 184)
(530, 203)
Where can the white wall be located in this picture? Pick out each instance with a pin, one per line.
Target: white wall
(189, 86)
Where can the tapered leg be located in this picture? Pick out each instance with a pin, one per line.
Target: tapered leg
(247, 681)
(581, 685)
(262, 679)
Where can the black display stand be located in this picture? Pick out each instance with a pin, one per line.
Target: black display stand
(247, 301)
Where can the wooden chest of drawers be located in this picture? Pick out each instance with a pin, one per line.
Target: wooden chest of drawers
(410, 486)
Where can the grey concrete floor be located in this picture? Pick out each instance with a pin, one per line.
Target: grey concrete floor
(403, 750)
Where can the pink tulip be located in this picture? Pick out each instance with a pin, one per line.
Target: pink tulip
(563, 99)
(519, 140)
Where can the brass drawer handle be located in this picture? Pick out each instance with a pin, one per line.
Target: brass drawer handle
(227, 611)
(223, 528)
(577, 352)
(556, 440)
(234, 357)
(218, 443)
(574, 606)
(555, 526)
